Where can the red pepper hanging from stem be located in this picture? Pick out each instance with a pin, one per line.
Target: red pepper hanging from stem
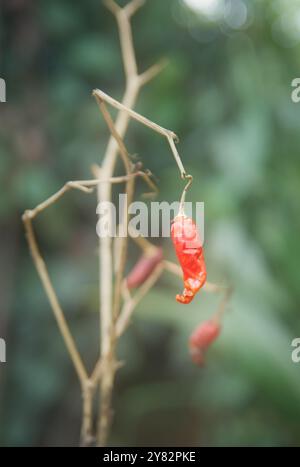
(189, 252)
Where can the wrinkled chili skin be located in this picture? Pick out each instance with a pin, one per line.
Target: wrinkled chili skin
(189, 252)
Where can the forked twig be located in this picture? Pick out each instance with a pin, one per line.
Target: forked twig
(170, 135)
(134, 82)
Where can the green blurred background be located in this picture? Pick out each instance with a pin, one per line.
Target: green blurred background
(227, 93)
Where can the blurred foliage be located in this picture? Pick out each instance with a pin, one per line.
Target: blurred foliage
(226, 92)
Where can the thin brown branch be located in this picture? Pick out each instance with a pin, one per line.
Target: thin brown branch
(127, 47)
(184, 192)
(109, 368)
(122, 149)
(56, 308)
(109, 362)
(108, 365)
(136, 116)
(104, 190)
(97, 372)
(146, 176)
(54, 198)
(87, 186)
(170, 135)
(152, 71)
(122, 250)
(87, 437)
(132, 7)
(112, 6)
(123, 16)
(133, 86)
(176, 156)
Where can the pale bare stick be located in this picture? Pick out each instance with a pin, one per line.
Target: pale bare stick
(97, 372)
(54, 198)
(122, 250)
(133, 83)
(177, 158)
(136, 116)
(133, 86)
(109, 359)
(170, 135)
(184, 192)
(87, 186)
(146, 176)
(87, 437)
(129, 191)
(152, 71)
(132, 7)
(52, 297)
(123, 16)
(122, 149)
(112, 6)
(86, 430)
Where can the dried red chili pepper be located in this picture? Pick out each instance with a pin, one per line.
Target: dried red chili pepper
(201, 338)
(189, 252)
(205, 334)
(144, 267)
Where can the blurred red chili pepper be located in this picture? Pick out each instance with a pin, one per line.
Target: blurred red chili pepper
(201, 338)
(189, 252)
(144, 267)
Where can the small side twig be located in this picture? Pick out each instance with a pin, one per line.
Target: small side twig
(170, 135)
